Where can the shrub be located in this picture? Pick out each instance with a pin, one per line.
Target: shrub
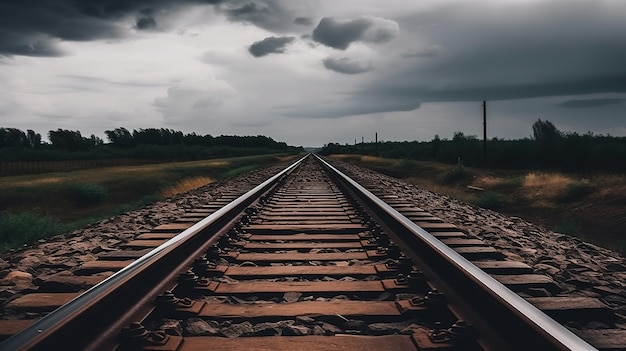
(491, 200)
(88, 193)
(18, 229)
(567, 226)
(576, 191)
(515, 182)
(456, 174)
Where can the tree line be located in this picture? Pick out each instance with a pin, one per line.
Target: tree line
(16, 144)
(548, 148)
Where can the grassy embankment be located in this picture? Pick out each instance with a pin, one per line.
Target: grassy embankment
(591, 206)
(40, 205)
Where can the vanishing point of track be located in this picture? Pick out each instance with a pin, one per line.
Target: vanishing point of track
(308, 260)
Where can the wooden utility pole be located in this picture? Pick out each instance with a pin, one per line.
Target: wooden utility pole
(362, 145)
(484, 132)
(376, 146)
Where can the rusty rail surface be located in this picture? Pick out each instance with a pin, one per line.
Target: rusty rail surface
(307, 260)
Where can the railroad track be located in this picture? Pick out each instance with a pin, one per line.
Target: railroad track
(307, 260)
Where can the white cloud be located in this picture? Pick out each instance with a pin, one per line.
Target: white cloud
(193, 72)
(193, 97)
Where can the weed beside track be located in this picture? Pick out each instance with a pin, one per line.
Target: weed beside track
(36, 206)
(589, 206)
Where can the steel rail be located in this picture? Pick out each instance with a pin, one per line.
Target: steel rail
(93, 320)
(523, 326)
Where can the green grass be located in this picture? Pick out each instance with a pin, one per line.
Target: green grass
(456, 174)
(74, 199)
(237, 171)
(88, 194)
(491, 200)
(588, 206)
(567, 226)
(28, 227)
(17, 229)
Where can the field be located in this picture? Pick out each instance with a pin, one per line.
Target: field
(39, 205)
(589, 206)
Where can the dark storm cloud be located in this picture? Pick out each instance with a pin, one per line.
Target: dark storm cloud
(250, 12)
(590, 102)
(266, 14)
(29, 45)
(509, 52)
(303, 21)
(347, 65)
(146, 22)
(36, 27)
(340, 33)
(348, 105)
(271, 45)
(461, 52)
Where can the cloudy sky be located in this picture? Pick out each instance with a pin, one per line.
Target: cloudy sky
(313, 72)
